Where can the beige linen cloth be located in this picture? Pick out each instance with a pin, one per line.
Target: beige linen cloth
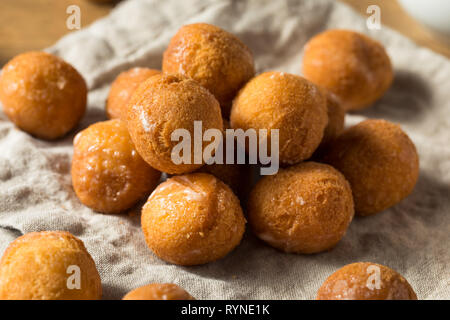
(413, 237)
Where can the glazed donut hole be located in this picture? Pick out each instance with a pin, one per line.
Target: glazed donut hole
(192, 219)
(123, 87)
(162, 105)
(108, 175)
(42, 94)
(215, 58)
(353, 66)
(37, 266)
(158, 291)
(285, 102)
(305, 208)
(195, 216)
(379, 160)
(366, 281)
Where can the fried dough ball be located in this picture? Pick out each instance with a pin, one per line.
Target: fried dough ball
(48, 265)
(380, 162)
(192, 219)
(290, 103)
(351, 65)
(366, 281)
(165, 103)
(156, 291)
(123, 87)
(218, 60)
(305, 208)
(108, 174)
(42, 94)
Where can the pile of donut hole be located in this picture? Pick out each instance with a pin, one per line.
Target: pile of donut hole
(195, 216)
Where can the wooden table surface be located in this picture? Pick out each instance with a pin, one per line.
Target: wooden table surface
(35, 24)
(394, 16)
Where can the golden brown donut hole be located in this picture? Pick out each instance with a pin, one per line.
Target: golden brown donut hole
(38, 266)
(192, 219)
(123, 87)
(305, 208)
(351, 65)
(158, 291)
(287, 102)
(165, 103)
(379, 160)
(108, 175)
(366, 281)
(42, 94)
(217, 59)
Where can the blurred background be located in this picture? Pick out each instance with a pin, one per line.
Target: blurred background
(36, 24)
